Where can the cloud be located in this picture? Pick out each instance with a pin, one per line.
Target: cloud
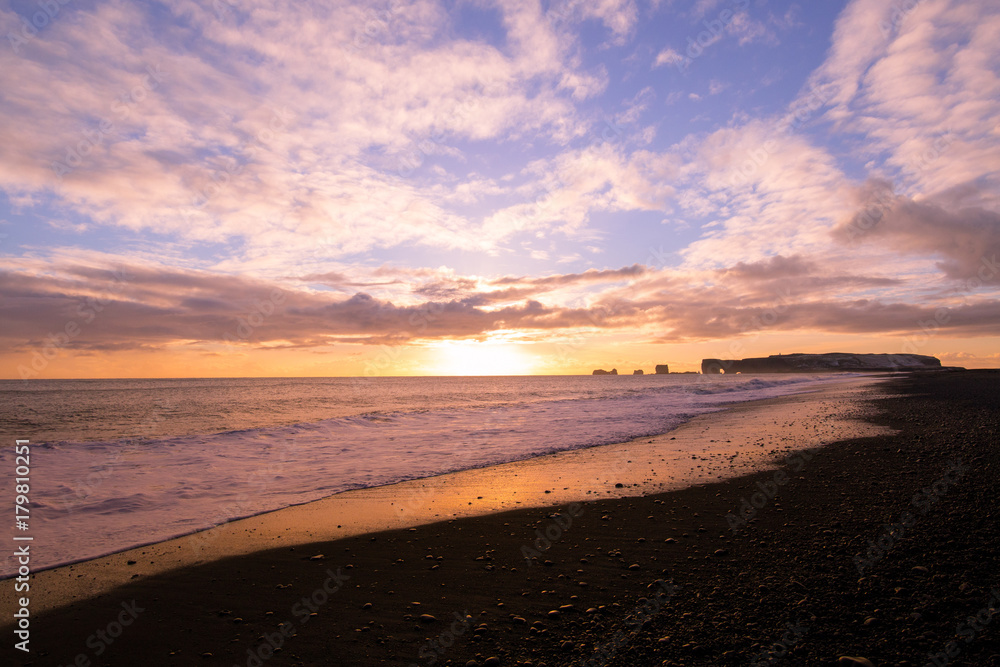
(161, 308)
(857, 42)
(636, 106)
(916, 81)
(770, 190)
(619, 16)
(667, 57)
(716, 87)
(567, 189)
(702, 7)
(775, 267)
(749, 30)
(856, 317)
(340, 280)
(163, 134)
(967, 239)
(589, 276)
(263, 152)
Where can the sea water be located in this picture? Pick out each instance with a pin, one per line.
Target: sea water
(120, 463)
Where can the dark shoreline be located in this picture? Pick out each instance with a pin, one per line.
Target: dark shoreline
(712, 597)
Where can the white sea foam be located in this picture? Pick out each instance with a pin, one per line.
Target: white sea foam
(91, 498)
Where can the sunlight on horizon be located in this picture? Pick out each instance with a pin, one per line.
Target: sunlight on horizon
(480, 358)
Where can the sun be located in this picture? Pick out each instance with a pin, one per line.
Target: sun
(469, 357)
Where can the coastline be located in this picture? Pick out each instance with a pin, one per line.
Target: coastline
(639, 580)
(110, 495)
(642, 466)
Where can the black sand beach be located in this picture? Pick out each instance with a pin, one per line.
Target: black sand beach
(668, 579)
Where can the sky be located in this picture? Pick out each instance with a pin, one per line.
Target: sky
(196, 188)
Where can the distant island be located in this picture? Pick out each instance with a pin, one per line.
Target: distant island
(832, 361)
(799, 362)
(661, 369)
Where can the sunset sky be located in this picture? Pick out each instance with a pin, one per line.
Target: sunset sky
(244, 187)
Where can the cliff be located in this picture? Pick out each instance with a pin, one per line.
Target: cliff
(822, 363)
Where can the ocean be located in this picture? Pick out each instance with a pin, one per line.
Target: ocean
(120, 463)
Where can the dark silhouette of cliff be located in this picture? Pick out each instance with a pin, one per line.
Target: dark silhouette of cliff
(822, 363)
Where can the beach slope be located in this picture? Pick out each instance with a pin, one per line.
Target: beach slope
(881, 546)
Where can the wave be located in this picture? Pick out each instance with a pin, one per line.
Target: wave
(105, 496)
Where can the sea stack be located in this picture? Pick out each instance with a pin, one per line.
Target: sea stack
(639, 372)
(662, 369)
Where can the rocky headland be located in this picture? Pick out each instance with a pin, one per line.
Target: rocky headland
(823, 363)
